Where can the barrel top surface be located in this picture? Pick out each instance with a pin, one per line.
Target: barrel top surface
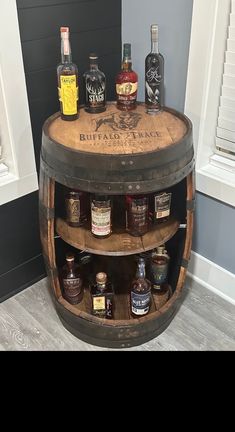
(118, 132)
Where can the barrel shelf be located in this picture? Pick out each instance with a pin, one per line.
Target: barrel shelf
(119, 243)
(117, 153)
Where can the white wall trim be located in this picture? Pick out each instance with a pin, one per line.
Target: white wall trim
(15, 125)
(212, 277)
(206, 60)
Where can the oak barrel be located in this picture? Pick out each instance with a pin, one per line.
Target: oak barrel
(116, 153)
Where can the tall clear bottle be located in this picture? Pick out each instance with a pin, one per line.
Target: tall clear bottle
(126, 83)
(67, 76)
(95, 87)
(154, 76)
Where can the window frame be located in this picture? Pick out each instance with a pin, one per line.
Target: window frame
(16, 132)
(210, 22)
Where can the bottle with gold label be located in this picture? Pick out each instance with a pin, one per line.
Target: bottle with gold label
(76, 208)
(126, 83)
(67, 75)
(102, 297)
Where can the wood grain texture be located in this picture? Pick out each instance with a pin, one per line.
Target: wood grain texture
(117, 132)
(118, 244)
(28, 322)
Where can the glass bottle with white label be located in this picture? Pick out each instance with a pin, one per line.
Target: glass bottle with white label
(140, 292)
(95, 87)
(162, 207)
(67, 76)
(137, 212)
(101, 214)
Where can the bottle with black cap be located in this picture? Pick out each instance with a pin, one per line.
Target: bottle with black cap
(95, 87)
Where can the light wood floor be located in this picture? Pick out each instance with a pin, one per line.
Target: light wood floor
(28, 322)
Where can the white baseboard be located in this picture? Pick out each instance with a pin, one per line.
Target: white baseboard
(212, 277)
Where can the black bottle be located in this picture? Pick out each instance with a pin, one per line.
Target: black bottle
(95, 87)
(154, 76)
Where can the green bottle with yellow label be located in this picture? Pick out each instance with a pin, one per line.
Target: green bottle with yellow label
(67, 75)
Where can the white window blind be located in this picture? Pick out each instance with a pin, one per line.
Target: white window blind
(225, 139)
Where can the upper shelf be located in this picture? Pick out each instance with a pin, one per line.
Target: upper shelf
(118, 244)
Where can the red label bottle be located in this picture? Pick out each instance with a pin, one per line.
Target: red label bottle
(126, 83)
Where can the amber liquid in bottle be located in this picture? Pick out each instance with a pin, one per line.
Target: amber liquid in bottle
(101, 213)
(102, 297)
(140, 292)
(76, 208)
(72, 281)
(126, 83)
(137, 214)
(67, 76)
(154, 76)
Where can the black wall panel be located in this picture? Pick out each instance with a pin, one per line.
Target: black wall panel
(95, 25)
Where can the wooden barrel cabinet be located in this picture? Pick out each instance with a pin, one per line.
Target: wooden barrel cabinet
(117, 153)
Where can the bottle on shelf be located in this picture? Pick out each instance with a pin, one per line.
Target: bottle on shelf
(162, 207)
(102, 297)
(72, 281)
(95, 87)
(67, 76)
(101, 214)
(137, 211)
(126, 83)
(159, 268)
(75, 204)
(154, 76)
(140, 292)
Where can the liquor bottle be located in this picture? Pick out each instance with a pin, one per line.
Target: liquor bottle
(102, 297)
(126, 83)
(159, 265)
(140, 292)
(95, 87)
(101, 213)
(72, 281)
(154, 76)
(162, 207)
(75, 203)
(67, 76)
(137, 214)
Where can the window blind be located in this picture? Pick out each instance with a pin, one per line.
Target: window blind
(225, 139)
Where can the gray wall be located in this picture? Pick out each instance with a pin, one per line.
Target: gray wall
(214, 236)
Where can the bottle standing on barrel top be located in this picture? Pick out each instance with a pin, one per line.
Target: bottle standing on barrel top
(101, 213)
(154, 76)
(126, 83)
(72, 281)
(137, 214)
(95, 87)
(76, 212)
(67, 75)
(102, 297)
(140, 292)
(162, 207)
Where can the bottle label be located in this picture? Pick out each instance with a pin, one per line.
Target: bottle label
(99, 303)
(101, 220)
(95, 93)
(139, 214)
(68, 94)
(162, 205)
(140, 303)
(73, 210)
(72, 286)
(152, 83)
(127, 88)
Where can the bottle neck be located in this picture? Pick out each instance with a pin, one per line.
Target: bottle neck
(141, 271)
(127, 64)
(93, 65)
(66, 54)
(101, 286)
(70, 265)
(154, 46)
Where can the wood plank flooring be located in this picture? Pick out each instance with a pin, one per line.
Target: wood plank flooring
(205, 322)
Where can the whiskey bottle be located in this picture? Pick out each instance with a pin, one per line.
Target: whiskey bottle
(95, 87)
(75, 203)
(137, 214)
(102, 297)
(67, 76)
(162, 207)
(101, 212)
(72, 281)
(159, 265)
(154, 76)
(140, 292)
(126, 83)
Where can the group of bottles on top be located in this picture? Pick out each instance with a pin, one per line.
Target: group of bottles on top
(141, 211)
(150, 283)
(95, 81)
